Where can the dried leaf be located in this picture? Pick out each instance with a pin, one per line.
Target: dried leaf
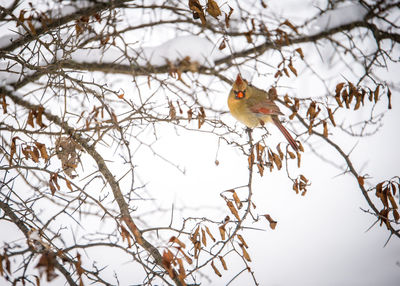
(223, 262)
(300, 52)
(228, 16)
(215, 269)
(331, 118)
(338, 88)
(360, 180)
(174, 239)
(46, 265)
(167, 259)
(132, 227)
(272, 223)
(233, 209)
(238, 203)
(209, 233)
(389, 95)
(126, 235)
(197, 10)
(213, 9)
(222, 45)
(242, 240)
(68, 183)
(222, 231)
(43, 151)
(250, 159)
(4, 103)
(293, 70)
(245, 253)
(260, 169)
(325, 134)
(32, 27)
(376, 93)
(13, 148)
(182, 272)
(290, 25)
(298, 159)
(203, 237)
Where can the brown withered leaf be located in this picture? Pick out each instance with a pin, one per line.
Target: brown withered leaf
(278, 147)
(31, 27)
(272, 223)
(42, 150)
(223, 262)
(338, 88)
(389, 95)
(222, 45)
(233, 209)
(172, 110)
(39, 120)
(291, 154)
(197, 9)
(209, 233)
(325, 125)
(222, 231)
(293, 70)
(182, 272)
(201, 117)
(250, 159)
(245, 253)
(215, 269)
(4, 103)
(376, 93)
(213, 9)
(167, 259)
(242, 240)
(260, 169)
(228, 16)
(203, 237)
(46, 265)
(238, 203)
(290, 25)
(396, 215)
(286, 72)
(298, 159)
(300, 52)
(195, 234)
(125, 234)
(187, 258)
(248, 36)
(190, 114)
(331, 118)
(392, 201)
(132, 227)
(13, 148)
(21, 17)
(68, 183)
(174, 239)
(360, 180)
(30, 118)
(277, 160)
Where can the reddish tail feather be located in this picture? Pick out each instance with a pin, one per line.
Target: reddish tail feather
(285, 133)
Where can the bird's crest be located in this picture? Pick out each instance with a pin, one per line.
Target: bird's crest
(239, 80)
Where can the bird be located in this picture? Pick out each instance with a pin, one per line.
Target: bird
(255, 107)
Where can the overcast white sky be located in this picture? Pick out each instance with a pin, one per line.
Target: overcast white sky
(320, 238)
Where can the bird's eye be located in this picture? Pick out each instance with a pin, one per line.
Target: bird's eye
(240, 94)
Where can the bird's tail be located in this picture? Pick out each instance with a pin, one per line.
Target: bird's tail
(285, 133)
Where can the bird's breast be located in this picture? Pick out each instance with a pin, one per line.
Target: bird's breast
(242, 113)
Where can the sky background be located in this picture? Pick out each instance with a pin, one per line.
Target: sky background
(320, 238)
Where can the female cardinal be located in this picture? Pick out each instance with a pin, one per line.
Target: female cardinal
(254, 107)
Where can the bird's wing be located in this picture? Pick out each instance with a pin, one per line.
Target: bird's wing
(266, 106)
